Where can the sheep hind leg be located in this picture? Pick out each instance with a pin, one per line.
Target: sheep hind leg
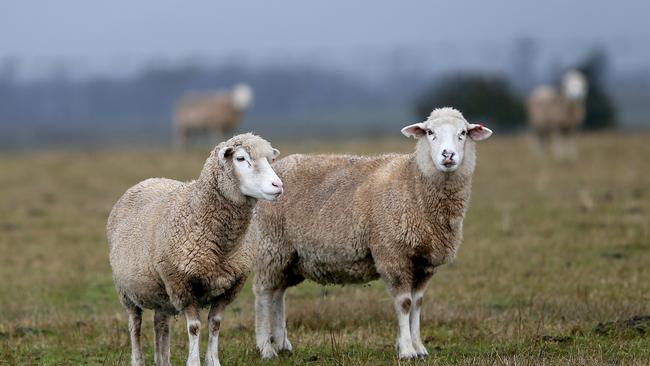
(279, 322)
(135, 323)
(161, 336)
(263, 338)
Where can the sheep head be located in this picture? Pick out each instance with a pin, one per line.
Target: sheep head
(444, 138)
(243, 166)
(574, 85)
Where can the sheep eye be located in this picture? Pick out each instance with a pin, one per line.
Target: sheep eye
(430, 133)
(463, 133)
(241, 158)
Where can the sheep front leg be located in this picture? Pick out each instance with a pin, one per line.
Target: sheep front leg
(161, 336)
(399, 284)
(193, 333)
(263, 302)
(214, 324)
(403, 302)
(135, 323)
(419, 286)
(415, 325)
(279, 322)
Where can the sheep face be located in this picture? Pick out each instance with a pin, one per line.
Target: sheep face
(574, 85)
(446, 139)
(256, 178)
(242, 96)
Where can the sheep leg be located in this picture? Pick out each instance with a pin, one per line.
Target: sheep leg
(161, 335)
(214, 324)
(263, 302)
(402, 302)
(279, 322)
(570, 150)
(193, 333)
(399, 284)
(415, 325)
(557, 146)
(533, 142)
(418, 292)
(135, 323)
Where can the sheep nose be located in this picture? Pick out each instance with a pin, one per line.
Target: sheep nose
(277, 183)
(448, 154)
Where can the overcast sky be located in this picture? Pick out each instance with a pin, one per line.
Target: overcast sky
(104, 34)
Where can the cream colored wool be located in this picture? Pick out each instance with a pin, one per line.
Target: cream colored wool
(176, 247)
(353, 219)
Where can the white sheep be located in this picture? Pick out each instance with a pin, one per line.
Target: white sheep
(555, 115)
(176, 247)
(196, 112)
(353, 219)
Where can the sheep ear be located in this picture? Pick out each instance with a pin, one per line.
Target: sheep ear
(415, 130)
(276, 153)
(226, 152)
(478, 132)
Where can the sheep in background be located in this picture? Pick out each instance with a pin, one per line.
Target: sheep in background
(204, 112)
(353, 219)
(176, 247)
(555, 115)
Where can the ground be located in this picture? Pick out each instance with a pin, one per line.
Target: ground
(554, 269)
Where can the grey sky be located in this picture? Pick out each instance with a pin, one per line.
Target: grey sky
(108, 32)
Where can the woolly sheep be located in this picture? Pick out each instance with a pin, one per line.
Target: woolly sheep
(176, 247)
(216, 111)
(353, 219)
(555, 115)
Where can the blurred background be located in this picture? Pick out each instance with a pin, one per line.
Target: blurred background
(96, 96)
(81, 74)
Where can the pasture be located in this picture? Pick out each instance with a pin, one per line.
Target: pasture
(554, 269)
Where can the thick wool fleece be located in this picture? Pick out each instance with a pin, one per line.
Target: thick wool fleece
(352, 219)
(175, 244)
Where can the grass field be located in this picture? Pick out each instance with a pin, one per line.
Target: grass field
(555, 267)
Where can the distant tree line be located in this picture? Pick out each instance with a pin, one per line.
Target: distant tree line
(330, 102)
(493, 99)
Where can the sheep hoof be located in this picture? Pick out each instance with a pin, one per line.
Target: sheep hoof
(211, 361)
(421, 350)
(285, 347)
(193, 362)
(408, 356)
(407, 352)
(267, 352)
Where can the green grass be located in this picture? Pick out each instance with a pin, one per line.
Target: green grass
(551, 250)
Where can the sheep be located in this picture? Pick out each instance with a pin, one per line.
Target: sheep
(176, 247)
(215, 111)
(555, 115)
(353, 219)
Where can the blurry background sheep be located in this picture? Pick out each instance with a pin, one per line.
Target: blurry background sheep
(555, 114)
(203, 113)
